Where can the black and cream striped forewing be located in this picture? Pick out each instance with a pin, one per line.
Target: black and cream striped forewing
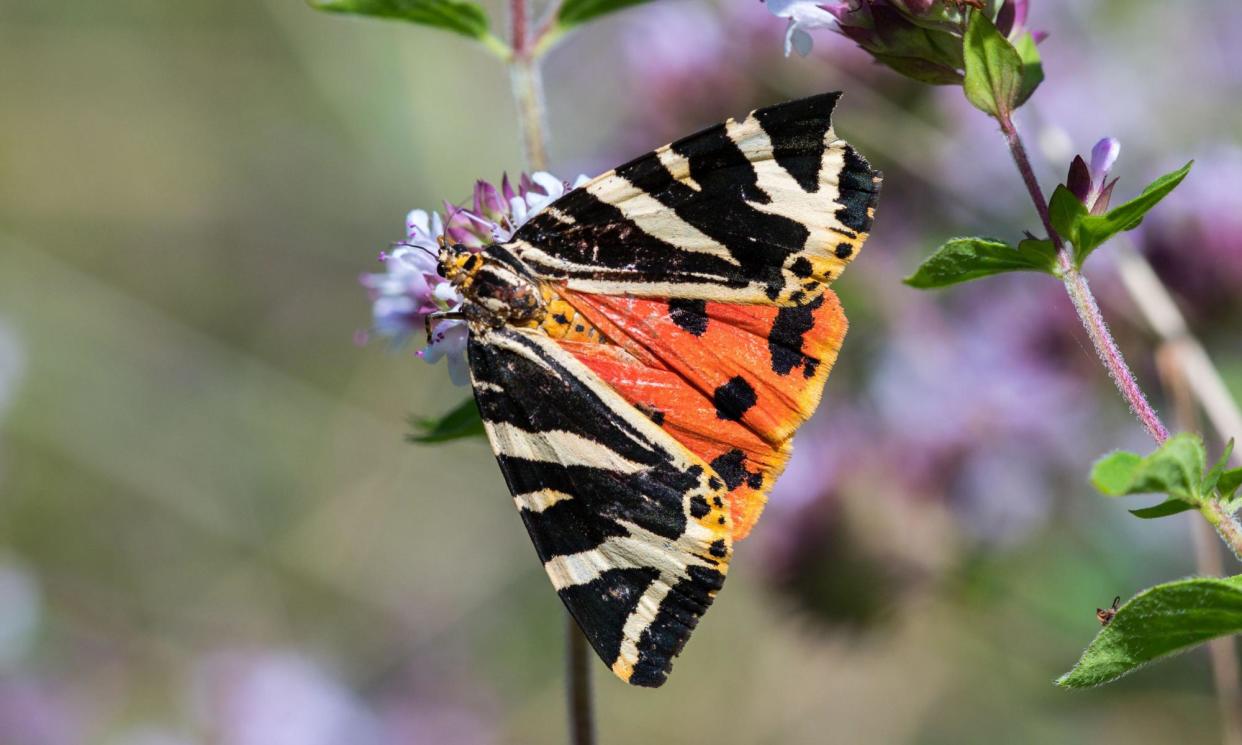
(767, 210)
(632, 528)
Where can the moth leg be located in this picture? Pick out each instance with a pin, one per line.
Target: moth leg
(442, 315)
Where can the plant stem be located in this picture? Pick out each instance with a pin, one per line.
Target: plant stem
(527, 82)
(1092, 320)
(1080, 294)
(526, 79)
(578, 670)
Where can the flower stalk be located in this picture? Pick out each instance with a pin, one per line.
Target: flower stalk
(1082, 298)
(1101, 338)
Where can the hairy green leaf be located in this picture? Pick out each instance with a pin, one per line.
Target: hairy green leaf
(1093, 230)
(575, 12)
(1218, 470)
(1159, 621)
(459, 16)
(1032, 67)
(993, 68)
(463, 421)
(964, 259)
(1175, 468)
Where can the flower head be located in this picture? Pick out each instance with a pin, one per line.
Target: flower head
(921, 39)
(410, 289)
(1090, 183)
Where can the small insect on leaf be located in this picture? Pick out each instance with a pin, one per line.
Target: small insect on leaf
(1106, 614)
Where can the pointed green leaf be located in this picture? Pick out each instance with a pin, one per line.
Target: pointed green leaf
(1066, 212)
(1032, 67)
(1157, 622)
(1164, 509)
(964, 259)
(575, 12)
(1175, 468)
(1229, 483)
(993, 68)
(458, 16)
(1093, 230)
(463, 421)
(1213, 476)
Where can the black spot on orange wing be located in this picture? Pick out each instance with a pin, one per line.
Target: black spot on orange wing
(734, 398)
(844, 250)
(718, 549)
(801, 267)
(785, 338)
(690, 315)
(732, 468)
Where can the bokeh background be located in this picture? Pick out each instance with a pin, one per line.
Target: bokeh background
(211, 530)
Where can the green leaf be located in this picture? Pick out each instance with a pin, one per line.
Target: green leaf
(993, 68)
(1164, 509)
(1213, 476)
(1066, 212)
(463, 421)
(1175, 468)
(1229, 483)
(575, 12)
(1093, 230)
(459, 16)
(1159, 621)
(964, 259)
(1032, 67)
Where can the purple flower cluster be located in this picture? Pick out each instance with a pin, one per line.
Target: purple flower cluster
(410, 289)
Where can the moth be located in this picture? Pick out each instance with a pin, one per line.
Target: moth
(642, 351)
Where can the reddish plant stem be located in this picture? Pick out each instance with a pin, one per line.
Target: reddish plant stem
(1080, 295)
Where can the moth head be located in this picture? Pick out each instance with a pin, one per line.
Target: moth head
(457, 263)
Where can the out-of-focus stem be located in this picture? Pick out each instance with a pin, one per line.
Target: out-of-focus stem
(1203, 380)
(581, 716)
(527, 81)
(1084, 302)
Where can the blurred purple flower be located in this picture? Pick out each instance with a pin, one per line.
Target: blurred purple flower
(33, 712)
(411, 289)
(1194, 240)
(278, 698)
(1090, 183)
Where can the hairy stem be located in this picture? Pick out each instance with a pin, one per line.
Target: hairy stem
(1092, 320)
(581, 716)
(1084, 301)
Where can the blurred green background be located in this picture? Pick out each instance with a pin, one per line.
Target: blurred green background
(211, 530)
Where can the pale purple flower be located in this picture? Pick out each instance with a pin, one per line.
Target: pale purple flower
(804, 16)
(410, 289)
(1090, 183)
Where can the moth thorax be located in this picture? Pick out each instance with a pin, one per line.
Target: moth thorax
(495, 292)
